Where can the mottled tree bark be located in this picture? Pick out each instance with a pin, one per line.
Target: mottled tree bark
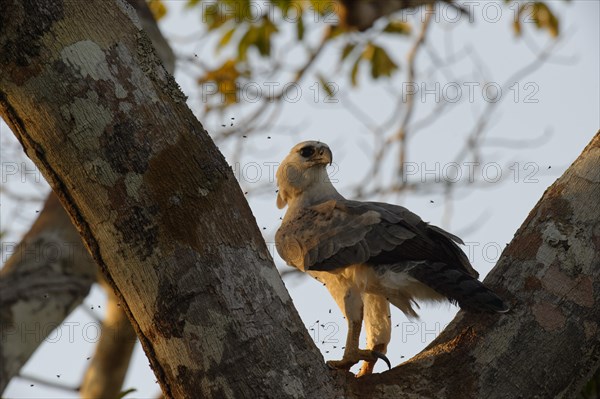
(154, 200)
(148, 23)
(106, 373)
(27, 318)
(47, 276)
(548, 345)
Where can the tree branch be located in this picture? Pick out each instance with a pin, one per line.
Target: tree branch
(362, 14)
(550, 275)
(106, 372)
(46, 277)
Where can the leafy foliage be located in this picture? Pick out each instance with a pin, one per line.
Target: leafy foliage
(226, 79)
(249, 29)
(158, 8)
(537, 12)
(122, 394)
(398, 27)
(380, 62)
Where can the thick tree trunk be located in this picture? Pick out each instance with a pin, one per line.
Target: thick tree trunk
(154, 200)
(53, 240)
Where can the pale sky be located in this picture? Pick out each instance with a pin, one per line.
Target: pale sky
(559, 102)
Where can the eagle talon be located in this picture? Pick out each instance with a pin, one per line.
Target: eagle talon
(383, 357)
(350, 359)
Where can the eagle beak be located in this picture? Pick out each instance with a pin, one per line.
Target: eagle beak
(325, 154)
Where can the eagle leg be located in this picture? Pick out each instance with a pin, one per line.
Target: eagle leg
(369, 365)
(352, 353)
(378, 328)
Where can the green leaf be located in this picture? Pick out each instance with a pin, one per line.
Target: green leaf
(122, 394)
(244, 11)
(300, 28)
(336, 30)
(347, 50)
(323, 8)
(367, 54)
(354, 72)
(258, 36)
(249, 38)
(226, 38)
(263, 41)
(398, 27)
(381, 63)
(213, 17)
(325, 84)
(192, 3)
(270, 27)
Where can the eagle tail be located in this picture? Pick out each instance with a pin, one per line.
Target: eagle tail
(459, 287)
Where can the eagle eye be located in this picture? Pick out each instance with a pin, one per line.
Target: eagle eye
(307, 151)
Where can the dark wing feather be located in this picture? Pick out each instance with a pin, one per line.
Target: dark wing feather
(332, 233)
(337, 234)
(444, 248)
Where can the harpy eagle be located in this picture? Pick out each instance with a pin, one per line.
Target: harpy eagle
(368, 254)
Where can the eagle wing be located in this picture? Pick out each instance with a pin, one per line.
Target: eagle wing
(340, 233)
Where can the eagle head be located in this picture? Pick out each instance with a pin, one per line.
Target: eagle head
(304, 171)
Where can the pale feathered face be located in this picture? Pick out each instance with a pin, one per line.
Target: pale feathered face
(303, 169)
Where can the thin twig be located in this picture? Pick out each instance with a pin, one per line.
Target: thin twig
(410, 96)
